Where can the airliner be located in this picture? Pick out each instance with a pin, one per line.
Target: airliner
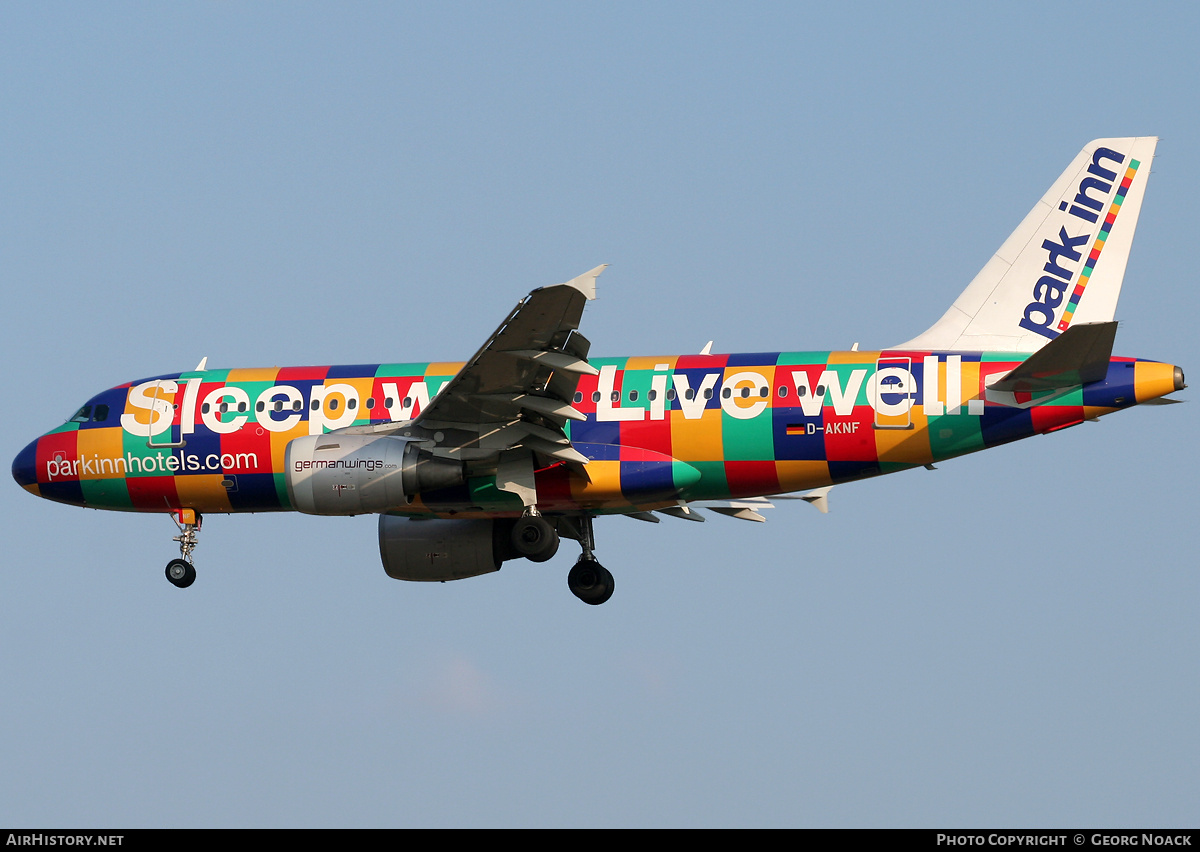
(470, 465)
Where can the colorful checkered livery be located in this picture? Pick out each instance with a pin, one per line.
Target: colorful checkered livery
(664, 430)
(1098, 245)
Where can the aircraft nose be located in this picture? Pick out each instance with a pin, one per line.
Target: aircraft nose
(24, 467)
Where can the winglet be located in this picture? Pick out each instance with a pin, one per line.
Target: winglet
(202, 365)
(586, 283)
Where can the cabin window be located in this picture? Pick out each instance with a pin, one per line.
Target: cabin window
(615, 396)
(782, 391)
(689, 394)
(408, 402)
(652, 395)
(820, 390)
(388, 401)
(745, 393)
(764, 391)
(260, 405)
(333, 404)
(670, 393)
(633, 395)
(578, 397)
(315, 405)
(296, 405)
(725, 393)
(596, 396)
(241, 406)
(204, 408)
(708, 393)
(801, 391)
(370, 403)
(352, 403)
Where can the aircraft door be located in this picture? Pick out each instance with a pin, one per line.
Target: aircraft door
(892, 392)
(161, 396)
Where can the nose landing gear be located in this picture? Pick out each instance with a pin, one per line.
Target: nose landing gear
(180, 572)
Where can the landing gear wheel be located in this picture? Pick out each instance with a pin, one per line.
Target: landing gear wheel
(181, 574)
(591, 582)
(180, 571)
(534, 538)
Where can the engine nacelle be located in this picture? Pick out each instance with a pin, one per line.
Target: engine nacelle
(441, 549)
(355, 474)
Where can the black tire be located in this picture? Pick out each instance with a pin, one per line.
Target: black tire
(610, 586)
(535, 538)
(591, 582)
(181, 574)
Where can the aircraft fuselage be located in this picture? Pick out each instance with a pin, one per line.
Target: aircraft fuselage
(658, 430)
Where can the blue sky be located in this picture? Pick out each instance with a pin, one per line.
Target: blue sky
(1009, 640)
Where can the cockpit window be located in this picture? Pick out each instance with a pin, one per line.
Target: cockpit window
(100, 414)
(83, 415)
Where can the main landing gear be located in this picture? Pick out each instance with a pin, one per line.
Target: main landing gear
(535, 538)
(588, 580)
(181, 572)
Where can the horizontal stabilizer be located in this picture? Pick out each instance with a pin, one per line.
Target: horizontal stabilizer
(1163, 400)
(1077, 356)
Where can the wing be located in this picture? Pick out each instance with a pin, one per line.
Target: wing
(744, 509)
(527, 369)
(508, 405)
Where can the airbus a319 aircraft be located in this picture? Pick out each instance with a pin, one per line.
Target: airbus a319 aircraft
(470, 465)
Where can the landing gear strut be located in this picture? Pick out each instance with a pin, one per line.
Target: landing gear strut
(589, 581)
(181, 572)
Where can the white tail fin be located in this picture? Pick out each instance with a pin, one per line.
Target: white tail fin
(1063, 264)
